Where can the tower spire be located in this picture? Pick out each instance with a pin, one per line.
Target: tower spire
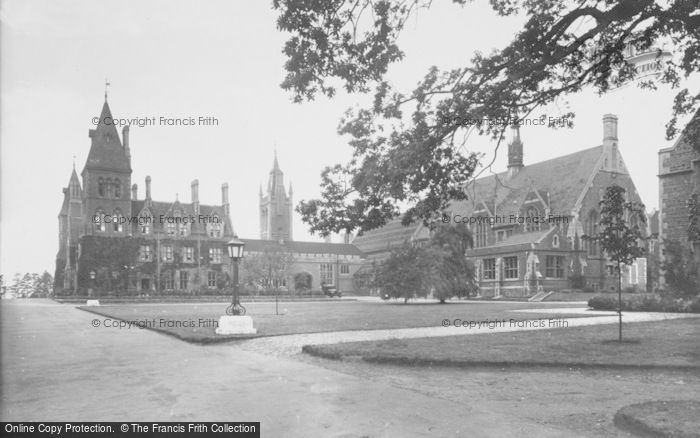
(107, 84)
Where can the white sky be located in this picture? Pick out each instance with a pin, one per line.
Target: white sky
(180, 58)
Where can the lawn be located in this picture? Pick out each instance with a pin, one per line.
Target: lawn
(311, 317)
(672, 344)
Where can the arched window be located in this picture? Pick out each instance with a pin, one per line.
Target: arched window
(98, 220)
(117, 188)
(117, 221)
(591, 231)
(145, 222)
(555, 241)
(532, 220)
(109, 188)
(481, 235)
(100, 186)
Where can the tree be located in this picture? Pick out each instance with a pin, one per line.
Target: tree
(620, 235)
(401, 276)
(439, 267)
(302, 282)
(31, 285)
(407, 145)
(268, 269)
(445, 264)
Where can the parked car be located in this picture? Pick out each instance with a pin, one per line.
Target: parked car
(330, 290)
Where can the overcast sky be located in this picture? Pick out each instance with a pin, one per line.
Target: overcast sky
(223, 59)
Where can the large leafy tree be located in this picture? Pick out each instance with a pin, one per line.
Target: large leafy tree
(621, 234)
(407, 148)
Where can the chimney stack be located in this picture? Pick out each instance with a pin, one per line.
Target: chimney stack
(195, 195)
(148, 188)
(610, 130)
(224, 198)
(134, 192)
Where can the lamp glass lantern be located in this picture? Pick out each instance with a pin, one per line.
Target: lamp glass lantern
(235, 248)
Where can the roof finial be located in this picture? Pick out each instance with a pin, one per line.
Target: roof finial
(107, 84)
(73, 161)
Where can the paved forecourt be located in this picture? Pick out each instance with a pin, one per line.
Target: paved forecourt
(56, 367)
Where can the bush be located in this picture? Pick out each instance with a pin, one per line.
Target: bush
(647, 303)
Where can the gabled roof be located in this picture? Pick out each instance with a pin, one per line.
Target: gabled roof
(559, 182)
(106, 150)
(157, 208)
(258, 245)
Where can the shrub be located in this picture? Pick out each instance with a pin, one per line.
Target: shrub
(647, 303)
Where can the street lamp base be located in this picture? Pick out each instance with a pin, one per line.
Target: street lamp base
(235, 325)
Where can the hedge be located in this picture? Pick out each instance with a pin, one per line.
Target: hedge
(646, 303)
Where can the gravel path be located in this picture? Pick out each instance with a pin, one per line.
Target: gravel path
(290, 345)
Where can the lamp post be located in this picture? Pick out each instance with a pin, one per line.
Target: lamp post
(235, 252)
(235, 322)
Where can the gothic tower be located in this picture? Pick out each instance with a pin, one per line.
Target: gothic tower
(276, 207)
(107, 177)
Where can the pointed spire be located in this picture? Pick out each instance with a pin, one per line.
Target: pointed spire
(275, 164)
(107, 84)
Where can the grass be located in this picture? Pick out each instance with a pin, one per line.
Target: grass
(314, 317)
(666, 344)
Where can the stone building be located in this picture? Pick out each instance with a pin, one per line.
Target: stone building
(527, 222)
(679, 179)
(110, 241)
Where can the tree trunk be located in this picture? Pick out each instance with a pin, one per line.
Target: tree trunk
(619, 298)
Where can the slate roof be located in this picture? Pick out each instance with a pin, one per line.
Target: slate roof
(558, 181)
(386, 237)
(158, 208)
(106, 150)
(258, 245)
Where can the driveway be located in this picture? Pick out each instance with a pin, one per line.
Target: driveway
(56, 367)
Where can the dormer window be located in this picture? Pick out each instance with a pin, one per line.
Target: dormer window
(532, 220)
(170, 228)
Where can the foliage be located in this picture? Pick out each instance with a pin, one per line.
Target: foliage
(267, 269)
(400, 276)
(620, 234)
(407, 146)
(680, 269)
(646, 303)
(439, 267)
(694, 218)
(302, 281)
(31, 285)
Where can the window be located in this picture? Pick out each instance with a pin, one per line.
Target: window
(145, 224)
(117, 219)
(101, 186)
(510, 268)
(145, 253)
(344, 269)
(184, 278)
(503, 235)
(532, 220)
(489, 269)
(169, 280)
(99, 220)
(554, 267)
(481, 231)
(214, 228)
(188, 254)
(215, 255)
(170, 228)
(326, 273)
(109, 188)
(211, 279)
(183, 229)
(555, 241)
(591, 231)
(167, 253)
(117, 188)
